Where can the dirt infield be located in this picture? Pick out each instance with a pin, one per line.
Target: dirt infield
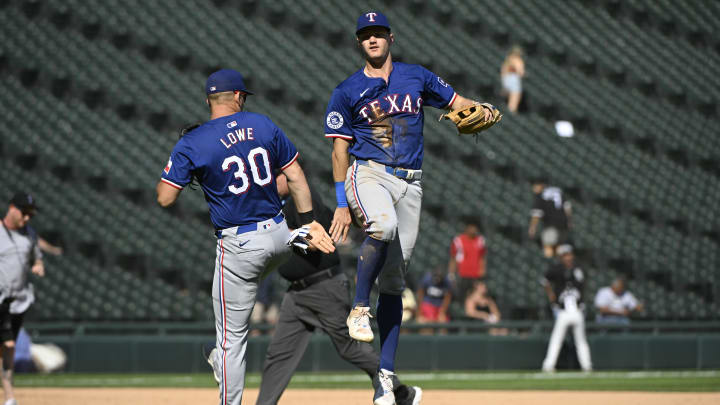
(189, 396)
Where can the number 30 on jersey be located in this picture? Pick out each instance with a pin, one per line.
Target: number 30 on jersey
(241, 173)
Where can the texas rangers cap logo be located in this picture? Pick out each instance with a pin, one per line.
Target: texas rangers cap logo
(334, 120)
(371, 19)
(168, 166)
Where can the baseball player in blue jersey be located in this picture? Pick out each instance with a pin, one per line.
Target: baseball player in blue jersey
(233, 156)
(376, 115)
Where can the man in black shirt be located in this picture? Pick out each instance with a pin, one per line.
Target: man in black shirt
(318, 297)
(555, 212)
(564, 284)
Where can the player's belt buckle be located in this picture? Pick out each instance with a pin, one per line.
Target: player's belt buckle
(406, 174)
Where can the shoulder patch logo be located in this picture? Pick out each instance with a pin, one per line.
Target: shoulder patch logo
(168, 166)
(442, 82)
(334, 120)
(232, 124)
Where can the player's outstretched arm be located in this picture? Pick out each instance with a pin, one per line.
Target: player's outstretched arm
(166, 194)
(300, 192)
(340, 224)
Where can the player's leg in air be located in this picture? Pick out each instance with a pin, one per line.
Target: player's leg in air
(373, 204)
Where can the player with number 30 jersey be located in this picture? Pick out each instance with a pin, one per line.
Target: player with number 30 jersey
(234, 156)
(241, 189)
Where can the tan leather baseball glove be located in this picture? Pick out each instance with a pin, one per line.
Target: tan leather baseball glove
(471, 120)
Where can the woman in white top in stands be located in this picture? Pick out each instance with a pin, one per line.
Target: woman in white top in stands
(511, 74)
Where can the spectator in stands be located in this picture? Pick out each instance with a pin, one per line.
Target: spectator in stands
(467, 258)
(19, 256)
(511, 73)
(480, 305)
(555, 212)
(614, 303)
(434, 295)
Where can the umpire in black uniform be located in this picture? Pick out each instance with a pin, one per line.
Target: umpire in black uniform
(318, 297)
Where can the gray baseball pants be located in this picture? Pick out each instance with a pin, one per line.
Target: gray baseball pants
(242, 259)
(389, 210)
(323, 306)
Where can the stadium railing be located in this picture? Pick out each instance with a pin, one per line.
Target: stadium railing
(458, 328)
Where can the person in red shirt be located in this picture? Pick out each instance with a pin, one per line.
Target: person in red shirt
(467, 258)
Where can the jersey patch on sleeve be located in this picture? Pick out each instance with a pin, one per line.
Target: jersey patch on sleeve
(168, 166)
(334, 120)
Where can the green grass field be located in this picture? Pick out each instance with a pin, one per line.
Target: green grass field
(599, 381)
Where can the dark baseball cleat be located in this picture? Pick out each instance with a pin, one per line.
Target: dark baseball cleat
(407, 395)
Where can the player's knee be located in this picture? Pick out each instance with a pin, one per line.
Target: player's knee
(9, 344)
(384, 230)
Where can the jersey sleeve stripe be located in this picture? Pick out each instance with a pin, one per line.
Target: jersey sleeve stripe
(291, 161)
(452, 100)
(170, 183)
(348, 137)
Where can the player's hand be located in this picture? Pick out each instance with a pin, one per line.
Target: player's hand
(38, 269)
(488, 114)
(340, 224)
(531, 233)
(319, 239)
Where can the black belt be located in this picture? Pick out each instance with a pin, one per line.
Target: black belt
(314, 278)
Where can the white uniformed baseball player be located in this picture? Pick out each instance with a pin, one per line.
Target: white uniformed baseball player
(564, 284)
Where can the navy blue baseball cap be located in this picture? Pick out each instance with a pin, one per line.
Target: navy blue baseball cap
(225, 80)
(372, 19)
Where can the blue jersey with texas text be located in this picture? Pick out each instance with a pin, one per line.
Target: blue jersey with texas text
(384, 121)
(235, 158)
